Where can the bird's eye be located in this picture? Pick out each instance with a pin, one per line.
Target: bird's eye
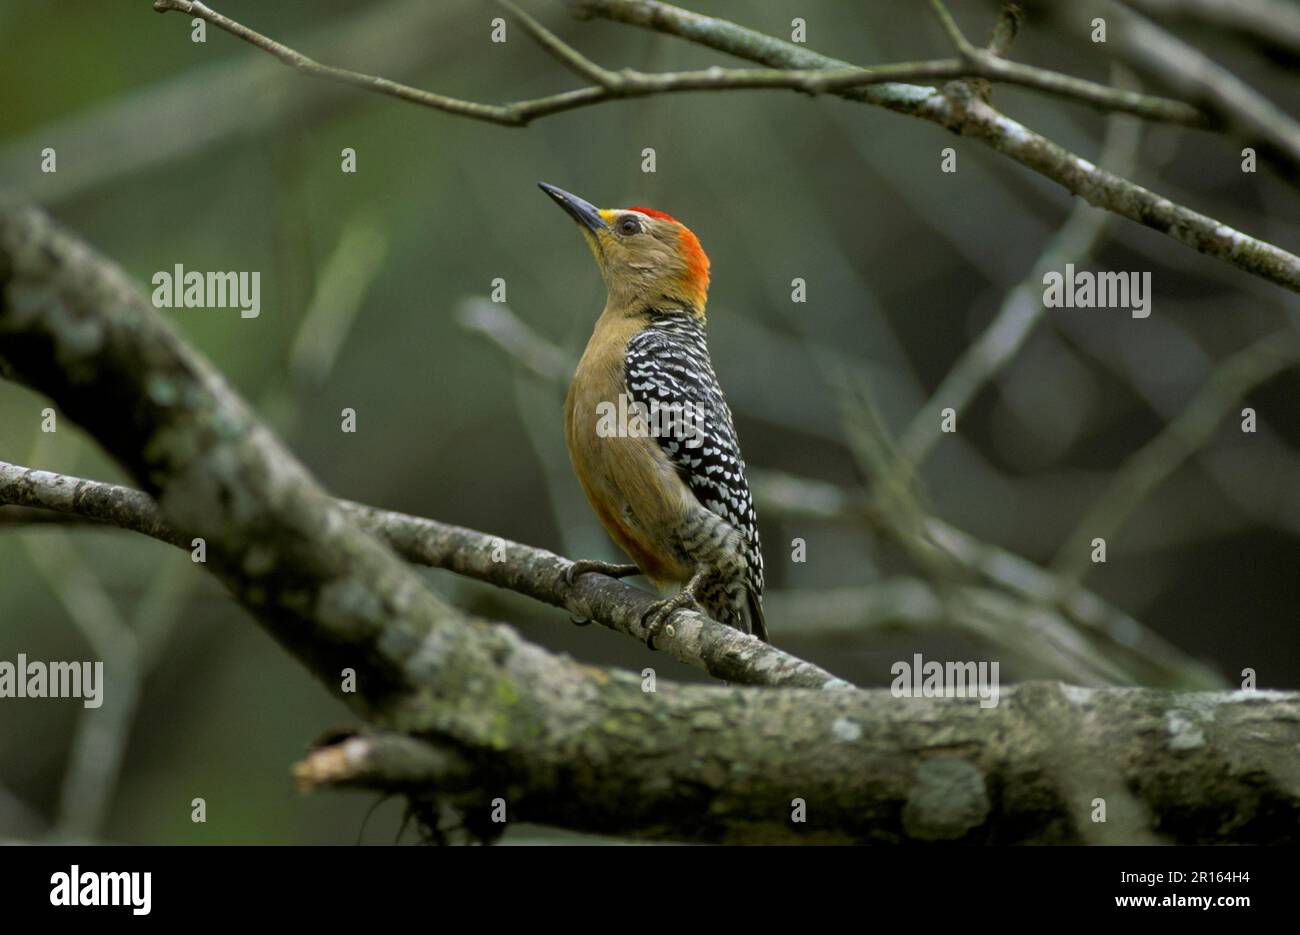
(629, 226)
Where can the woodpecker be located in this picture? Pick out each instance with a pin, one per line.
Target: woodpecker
(668, 484)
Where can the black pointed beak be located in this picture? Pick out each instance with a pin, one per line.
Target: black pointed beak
(581, 211)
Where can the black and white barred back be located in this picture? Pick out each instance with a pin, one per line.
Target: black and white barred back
(668, 364)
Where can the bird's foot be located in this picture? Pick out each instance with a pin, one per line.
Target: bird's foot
(610, 569)
(584, 566)
(658, 614)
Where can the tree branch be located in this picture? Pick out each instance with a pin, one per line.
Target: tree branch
(1179, 440)
(967, 115)
(1174, 64)
(1036, 639)
(1005, 29)
(513, 115)
(1020, 310)
(206, 105)
(1117, 641)
(1274, 24)
(935, 770)
(722, 652)
(799, 69)
(611, 85)
(25, 517)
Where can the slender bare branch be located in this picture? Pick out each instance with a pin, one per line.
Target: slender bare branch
(206, 105)
(1011, 17)
(798, 69)
(991, 65)
(511, 115)
(697, 641)
(1117, 637)
(950, 27)
(1274, 24)
(975, 118)
(1170, 62)
(1178, 441)
(611, 85)
(375, 759)
(1021, 308)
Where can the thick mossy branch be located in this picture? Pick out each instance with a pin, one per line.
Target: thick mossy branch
(866, 767)
(74, 327)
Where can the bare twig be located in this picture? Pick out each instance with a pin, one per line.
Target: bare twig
(1274, 24)
(207, 105)
(1122, 641)
(1169, 61)
(1036, 641)
(1003, 35)
(953, 561)
(611, 85)
(391, 761)
(970, 116)
(799, 69)
(1178, 441)
(1021, 308)
(522, 344)
(517, 114)
(954, 32)
(1264, 487)
(98, 746)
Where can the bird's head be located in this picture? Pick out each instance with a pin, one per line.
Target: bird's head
(647, 258)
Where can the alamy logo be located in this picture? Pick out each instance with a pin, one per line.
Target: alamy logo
(103, 889)
(630, 418)
(931, 679)
(1085, 289)
(24, 679)
(193, 289)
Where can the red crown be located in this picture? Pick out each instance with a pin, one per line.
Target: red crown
(662, 215)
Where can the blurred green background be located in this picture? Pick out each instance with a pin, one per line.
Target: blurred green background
(216, 157)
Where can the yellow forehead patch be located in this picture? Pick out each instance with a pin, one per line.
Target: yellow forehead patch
(608, 215)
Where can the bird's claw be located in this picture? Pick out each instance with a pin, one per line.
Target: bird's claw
(584, 566)
(609, 569)
(658, 614)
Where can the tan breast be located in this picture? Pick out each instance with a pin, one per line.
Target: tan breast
(635, 491)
